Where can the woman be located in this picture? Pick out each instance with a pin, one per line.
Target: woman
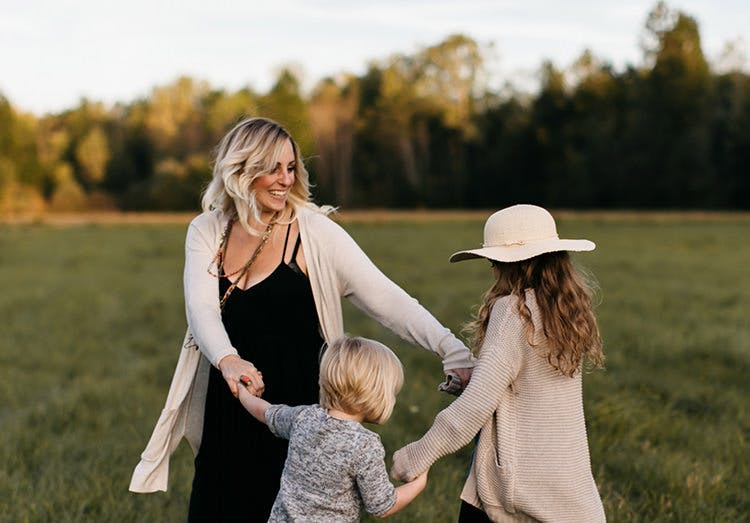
(265, 270)
(535, 329)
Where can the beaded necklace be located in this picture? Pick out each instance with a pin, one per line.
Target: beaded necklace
(218, 260)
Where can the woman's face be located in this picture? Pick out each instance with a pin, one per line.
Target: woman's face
(272, 190)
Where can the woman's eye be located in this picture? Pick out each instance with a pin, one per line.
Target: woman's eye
(291, 168)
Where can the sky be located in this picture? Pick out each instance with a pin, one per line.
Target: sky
(55, 52)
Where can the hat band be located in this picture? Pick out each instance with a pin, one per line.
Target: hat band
(519, 242)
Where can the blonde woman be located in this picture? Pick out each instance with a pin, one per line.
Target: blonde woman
(265, 270)
(335, 467)
(535, 330)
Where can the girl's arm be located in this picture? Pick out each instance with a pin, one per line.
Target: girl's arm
(406, 493)
(456, 425)
(254, 405)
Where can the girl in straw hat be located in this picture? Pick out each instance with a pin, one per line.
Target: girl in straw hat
(534, 330)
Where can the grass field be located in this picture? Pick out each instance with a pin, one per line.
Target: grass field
(92, 316)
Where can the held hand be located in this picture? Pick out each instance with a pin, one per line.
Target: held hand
(464, 374)
(233, 367)
(400, 463)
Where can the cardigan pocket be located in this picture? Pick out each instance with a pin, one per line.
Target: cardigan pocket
(496, 456)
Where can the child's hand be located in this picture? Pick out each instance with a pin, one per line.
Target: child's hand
(232, 367)
(406, 493)
(253, 404)
(254, 387)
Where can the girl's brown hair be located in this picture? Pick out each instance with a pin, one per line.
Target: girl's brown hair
(564, 300)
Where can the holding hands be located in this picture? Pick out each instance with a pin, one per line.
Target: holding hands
(233, 368)
(400, 470)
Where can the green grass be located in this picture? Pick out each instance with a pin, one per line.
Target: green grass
(93, 317)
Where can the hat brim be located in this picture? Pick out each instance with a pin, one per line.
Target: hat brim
(514, 253)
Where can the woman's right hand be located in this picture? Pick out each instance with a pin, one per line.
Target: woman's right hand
(233, 367)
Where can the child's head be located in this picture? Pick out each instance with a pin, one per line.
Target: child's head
(360, 376)
(522, 244)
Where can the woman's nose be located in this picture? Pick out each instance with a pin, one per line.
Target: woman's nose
(286, 178)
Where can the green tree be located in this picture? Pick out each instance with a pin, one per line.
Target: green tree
(677, 99)
(285, 103)
(22, 177)
(92, 154)
(223, 110)
(173, 117)
(333, 112)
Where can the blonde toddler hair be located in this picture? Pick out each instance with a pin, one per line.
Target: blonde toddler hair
(360, 376)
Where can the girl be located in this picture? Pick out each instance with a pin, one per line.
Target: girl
(535, 328)
(335, 465)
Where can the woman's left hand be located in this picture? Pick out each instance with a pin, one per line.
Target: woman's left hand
(233, 368)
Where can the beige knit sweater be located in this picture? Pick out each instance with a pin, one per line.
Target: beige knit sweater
(532, 458)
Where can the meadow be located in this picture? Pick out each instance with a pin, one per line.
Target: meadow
(93, 315)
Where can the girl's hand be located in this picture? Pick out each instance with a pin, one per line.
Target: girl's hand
(399, 469)
(233, 368)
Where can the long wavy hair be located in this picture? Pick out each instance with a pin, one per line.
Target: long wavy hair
(564, 300)
(250, 150)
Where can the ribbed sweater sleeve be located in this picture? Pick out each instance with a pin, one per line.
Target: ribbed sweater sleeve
(457, 425)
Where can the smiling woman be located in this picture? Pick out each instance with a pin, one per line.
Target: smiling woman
(281, 275)
(271, 190)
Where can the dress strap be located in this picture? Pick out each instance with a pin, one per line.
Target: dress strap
(286, 239)
(296, 248)
(293, 261)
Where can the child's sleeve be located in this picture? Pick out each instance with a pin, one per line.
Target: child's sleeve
(280, 419)
(377, 492)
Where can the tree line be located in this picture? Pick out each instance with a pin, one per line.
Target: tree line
(418, 130)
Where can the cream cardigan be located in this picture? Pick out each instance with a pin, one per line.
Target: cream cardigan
(531, 461)
(336, 267)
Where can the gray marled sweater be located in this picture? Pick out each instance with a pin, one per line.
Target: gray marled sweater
(333, 469)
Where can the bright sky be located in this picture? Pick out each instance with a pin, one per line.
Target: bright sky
(54, 52)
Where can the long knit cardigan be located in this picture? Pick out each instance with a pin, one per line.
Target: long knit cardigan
(531, 461)
(336, 267)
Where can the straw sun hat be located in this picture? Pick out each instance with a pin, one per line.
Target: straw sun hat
(518, 233)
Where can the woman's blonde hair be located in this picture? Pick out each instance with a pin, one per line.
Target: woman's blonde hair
(250, 150)
(564, 300)
(360, 376)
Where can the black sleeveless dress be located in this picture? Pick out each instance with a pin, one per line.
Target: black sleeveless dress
(274, 325)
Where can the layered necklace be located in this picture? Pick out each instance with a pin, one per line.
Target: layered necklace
(220, 256)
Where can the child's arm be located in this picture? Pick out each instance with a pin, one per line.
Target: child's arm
(253, 404)
(406, 493)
